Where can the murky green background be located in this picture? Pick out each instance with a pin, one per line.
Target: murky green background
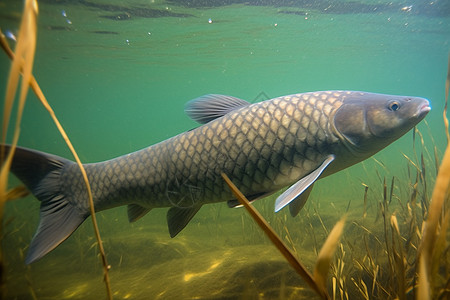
(118, 73)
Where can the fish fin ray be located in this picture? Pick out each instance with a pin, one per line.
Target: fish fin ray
(58, 221)
(297, 204)
(59, 217)
(300, 186)
(179, 217)
(212, 106)
(135, 212)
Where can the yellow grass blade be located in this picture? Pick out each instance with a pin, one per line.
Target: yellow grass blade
(25, 48)
(23, 62)
(411, 162)
(326, 254)
(447, 86)
(275, 239)
(440, 194)
(28, 79)
(17, 192)
(366, 189)
(423, 291)
(399, 258)
(440, 246)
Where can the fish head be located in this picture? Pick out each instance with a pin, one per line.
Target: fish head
(368, 122)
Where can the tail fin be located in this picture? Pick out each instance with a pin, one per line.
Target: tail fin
(59, 216)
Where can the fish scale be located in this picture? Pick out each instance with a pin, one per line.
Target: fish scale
(261, 147)
(286, 141)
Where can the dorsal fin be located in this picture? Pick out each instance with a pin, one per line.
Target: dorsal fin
(212, 106)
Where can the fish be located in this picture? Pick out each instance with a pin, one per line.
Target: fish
(289, 141)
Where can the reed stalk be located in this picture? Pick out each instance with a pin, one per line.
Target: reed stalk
(276, 240)
(25, 49)
(22, 63)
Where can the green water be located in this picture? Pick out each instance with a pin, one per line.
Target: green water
(120, 85)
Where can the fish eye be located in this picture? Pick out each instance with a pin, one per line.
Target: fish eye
(394, 106)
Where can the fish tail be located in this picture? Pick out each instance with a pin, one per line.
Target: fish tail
(59, 214)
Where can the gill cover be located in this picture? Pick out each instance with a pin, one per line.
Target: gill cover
(350, 122)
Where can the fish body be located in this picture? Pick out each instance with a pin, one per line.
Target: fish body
(286, 141)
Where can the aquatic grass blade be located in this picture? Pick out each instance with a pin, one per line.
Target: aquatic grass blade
(326, 254)
(391, 193)
(275, 239)
(366, 189)
(17, 192)
(23, 62)
(31, 81)
(436, 159)
(25, 49)
(423, 286)
(440, 249)
(447, 87)
(438, 197)
(26, 45)
(398, 258)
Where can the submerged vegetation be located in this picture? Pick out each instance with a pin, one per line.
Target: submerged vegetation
(397, 249)
(395, 244)
(22, 62)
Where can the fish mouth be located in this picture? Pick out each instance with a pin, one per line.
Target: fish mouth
(423, 109)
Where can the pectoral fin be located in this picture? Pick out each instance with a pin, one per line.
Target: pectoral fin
(179, 217)
(135, 212)
(300, 186)
(297, 204)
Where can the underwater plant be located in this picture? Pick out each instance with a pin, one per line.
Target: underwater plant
(318, 280)
(22, 62)
(403, 255)
(433, 243)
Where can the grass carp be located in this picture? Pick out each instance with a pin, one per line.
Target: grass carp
(263, 147)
